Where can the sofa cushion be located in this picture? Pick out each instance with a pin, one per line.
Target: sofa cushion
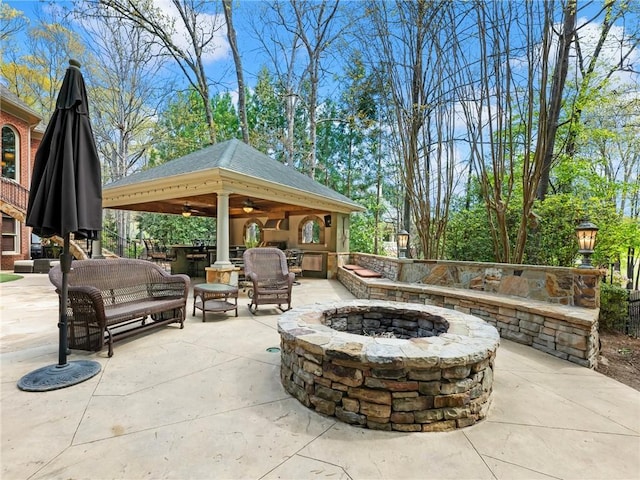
(129, 311)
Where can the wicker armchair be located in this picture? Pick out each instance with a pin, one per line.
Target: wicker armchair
(266, 269)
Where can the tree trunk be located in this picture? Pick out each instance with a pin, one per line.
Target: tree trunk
(546, 138)
(242, 102)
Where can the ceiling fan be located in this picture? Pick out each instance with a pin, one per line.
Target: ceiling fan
(248, 206)
(187, 210)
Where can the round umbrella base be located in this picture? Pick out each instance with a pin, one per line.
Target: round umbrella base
(54, 377)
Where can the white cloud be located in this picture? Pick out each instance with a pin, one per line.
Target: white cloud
(217, 49)
(615, 47)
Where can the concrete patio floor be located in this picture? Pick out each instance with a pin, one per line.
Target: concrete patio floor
(206, 402)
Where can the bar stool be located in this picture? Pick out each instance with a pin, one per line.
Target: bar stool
(194, 257)
(295, 264)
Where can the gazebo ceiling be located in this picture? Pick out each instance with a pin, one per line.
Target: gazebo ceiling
(232, 168)
(205, 205)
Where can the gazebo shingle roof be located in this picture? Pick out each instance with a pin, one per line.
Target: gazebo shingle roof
(235, 155)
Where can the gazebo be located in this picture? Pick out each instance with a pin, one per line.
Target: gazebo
(241, 186)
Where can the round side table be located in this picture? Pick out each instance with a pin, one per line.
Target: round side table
(214, 297)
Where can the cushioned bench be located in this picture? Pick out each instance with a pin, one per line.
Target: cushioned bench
(112, 299)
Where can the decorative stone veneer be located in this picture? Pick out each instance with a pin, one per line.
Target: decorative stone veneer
(556, 285)
(566, 331)
(436, 375)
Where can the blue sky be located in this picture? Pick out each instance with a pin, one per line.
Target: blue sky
(219, 63)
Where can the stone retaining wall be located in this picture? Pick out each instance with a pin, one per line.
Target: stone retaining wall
(554, 322)
(439, 382)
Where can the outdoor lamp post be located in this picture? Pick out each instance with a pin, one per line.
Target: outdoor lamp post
(403, 241)
(586, 233)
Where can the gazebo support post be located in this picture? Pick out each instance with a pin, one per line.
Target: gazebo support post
(222, 269)
(222, 231)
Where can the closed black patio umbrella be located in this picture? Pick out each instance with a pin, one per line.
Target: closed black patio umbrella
(66, 197)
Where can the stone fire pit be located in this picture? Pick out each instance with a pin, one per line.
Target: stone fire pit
(389, 365)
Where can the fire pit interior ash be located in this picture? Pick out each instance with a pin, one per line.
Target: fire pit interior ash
(381, 321)
(388, 365)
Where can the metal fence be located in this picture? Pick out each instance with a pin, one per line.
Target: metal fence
(633, 322)
(122, 247)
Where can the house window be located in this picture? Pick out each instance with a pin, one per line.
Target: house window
(9, 153)
(10, 240)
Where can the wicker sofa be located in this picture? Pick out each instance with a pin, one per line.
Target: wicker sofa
(111, 299)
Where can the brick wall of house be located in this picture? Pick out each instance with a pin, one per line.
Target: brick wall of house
(27, 150)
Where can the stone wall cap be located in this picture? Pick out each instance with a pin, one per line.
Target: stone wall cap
(468, 338)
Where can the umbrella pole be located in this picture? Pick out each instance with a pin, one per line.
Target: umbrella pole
(65, 266)
(64, 374)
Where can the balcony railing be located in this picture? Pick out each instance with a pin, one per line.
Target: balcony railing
(14, 194)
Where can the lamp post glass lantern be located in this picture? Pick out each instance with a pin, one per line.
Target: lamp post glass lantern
(586, 233)
(403, 241)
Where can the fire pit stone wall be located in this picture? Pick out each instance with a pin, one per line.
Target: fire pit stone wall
(389, 365)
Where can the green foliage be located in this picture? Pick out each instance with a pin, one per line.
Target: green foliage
(362, 233)
(181, 129)
(36, 75)
(266, 117)
(553, 240)
(615, 238)
(571, 174)
(552, 237)
(176, 229)
(468, 237)
(225, 117)
(614, 309)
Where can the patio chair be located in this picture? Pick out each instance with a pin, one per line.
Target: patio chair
(155, 252)
(266, 269)
(294, 261)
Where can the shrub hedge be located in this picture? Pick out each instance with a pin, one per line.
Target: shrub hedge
(614, 307)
